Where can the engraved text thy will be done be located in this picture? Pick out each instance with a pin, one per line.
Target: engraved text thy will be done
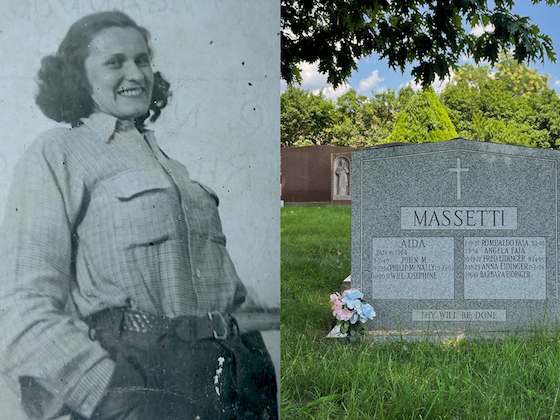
(465, 315)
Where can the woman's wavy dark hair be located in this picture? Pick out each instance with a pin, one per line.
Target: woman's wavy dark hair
(64, 91)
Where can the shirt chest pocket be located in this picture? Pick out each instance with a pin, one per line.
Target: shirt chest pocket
(209, 224)
(143, 208)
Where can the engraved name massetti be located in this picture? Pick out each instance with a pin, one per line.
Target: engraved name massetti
(458, 218)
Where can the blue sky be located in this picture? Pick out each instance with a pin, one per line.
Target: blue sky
(375, 75)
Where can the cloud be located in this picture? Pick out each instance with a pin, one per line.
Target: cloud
(332, 93)
(412, 84)
(465, 58)
(479, 29)
(314, 81)
(311, 78)
(439, 84)
(371, 82)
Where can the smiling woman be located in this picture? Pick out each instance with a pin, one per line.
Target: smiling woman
(118, 293)
(119, 72)
(96, 62)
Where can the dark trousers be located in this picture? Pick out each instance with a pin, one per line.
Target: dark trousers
(164, 377)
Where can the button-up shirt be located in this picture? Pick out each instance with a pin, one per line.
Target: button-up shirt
(98, 218)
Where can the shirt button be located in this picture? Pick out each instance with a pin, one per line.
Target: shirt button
(198, 274)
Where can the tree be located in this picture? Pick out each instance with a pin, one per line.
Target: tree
(510, 104)
(389, 103)
(304, 117)
(354, 121)
(363, 121)
(431, 35)
(520, 79)
(423, 120)
(473, 76)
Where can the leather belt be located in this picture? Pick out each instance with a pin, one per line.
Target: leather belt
(214, 325)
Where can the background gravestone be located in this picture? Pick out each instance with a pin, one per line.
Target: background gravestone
(341, 165)
(458, 234)
(223, 122)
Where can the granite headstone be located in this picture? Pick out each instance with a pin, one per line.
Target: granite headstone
(457, 234)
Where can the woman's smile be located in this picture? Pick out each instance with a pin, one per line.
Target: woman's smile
(132, 92)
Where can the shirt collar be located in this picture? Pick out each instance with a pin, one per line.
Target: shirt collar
(104, 125)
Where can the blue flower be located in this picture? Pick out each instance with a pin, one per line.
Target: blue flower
(354, 318)
(366, 312)
(351, 298)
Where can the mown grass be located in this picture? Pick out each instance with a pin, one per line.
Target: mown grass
(508, 378)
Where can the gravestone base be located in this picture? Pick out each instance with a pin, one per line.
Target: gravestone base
(443, 336)
(346, 284)
(434, 335)
(335, 333)
(476, 316)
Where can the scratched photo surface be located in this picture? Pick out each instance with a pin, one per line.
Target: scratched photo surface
(221, 58)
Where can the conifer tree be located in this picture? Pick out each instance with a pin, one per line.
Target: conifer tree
(423, 120)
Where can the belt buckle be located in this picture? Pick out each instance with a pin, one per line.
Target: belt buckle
(215, 315)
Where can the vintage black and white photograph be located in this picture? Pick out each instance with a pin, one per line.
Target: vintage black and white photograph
(139, 209)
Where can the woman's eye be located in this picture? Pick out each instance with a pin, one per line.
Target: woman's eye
(143, 62)
(114, 63)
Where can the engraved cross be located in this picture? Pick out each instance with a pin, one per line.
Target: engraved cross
(458, 170)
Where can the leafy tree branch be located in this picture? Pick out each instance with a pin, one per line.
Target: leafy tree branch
(430, 35)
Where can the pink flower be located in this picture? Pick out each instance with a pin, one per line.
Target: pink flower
(342, 314)
(335, 299)
(335, 296)
(336, 304)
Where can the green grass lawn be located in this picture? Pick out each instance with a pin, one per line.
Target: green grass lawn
(510, 378)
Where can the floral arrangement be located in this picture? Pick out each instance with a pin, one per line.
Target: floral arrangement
(351, 312)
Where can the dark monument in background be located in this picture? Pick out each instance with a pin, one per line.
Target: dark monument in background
(307, 173)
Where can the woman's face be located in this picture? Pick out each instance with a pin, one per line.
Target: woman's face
(119, 72)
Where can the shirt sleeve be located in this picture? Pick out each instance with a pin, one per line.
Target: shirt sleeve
(45, 353)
